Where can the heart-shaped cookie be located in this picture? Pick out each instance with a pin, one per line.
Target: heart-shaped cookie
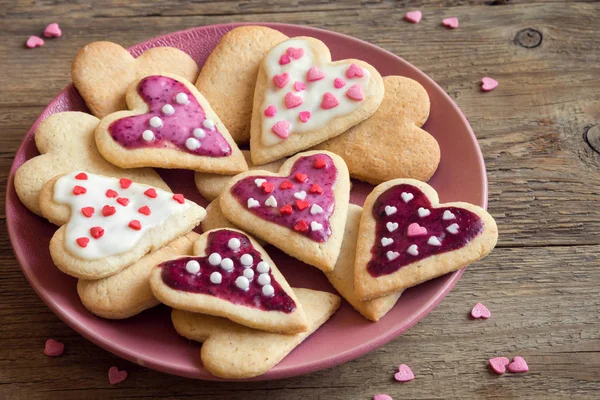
(170, 125)
(390, 144)
(302, 210)
(232, 351)
(66, 143)
(302, 98)
(230, 276)
(111, 223)
(408, 237)
(102, 72)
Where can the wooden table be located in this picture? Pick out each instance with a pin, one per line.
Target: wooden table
(541, 282)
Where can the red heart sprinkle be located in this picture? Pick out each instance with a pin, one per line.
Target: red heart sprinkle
(314, 74)
(316, 189)
(77, 190)
(267, 187)
(96, 232)
(354, 70)
(281, 80)
(300, 177)
(151, 193)
(123, 201)
(284, 59)
(518, 365)
(329, 101)
(299, 86)
(339, 83)
(54, 348)
(301, 226)
(135, 224)
(480, 311)
(286, 210)
(144, 210)
(286, 185)
(82, 176)
(115, 376)
(107, 211)
(87, 211)
(302, 204)
(125, 183)
(319, 163)
(111, 193)
(498, 364)
(295, 53)
(304, 115)
(82, 241)
(179, 198)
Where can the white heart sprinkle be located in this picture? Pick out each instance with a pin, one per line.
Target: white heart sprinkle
(199, 133)
(167, 109)
(227, 264)
(433, 241)
(268, 290)
(263, 267)
(264, 279)
(249, 273)
(234, 243)
(391, 226)
(413, 250)
(208, 124)
(300, 195)
(192, 144)
(253, 203)
(242, 282)
(423, 212)
(390, 210)
(453, 229)
(181, 98)
(407, 196)
(386, 241)
(316, 209)
(216, 277)
(148, 135)
(259, 181)
(271, 202)
(246, 260)
(192, 266)
(214, 259)
(448, 215)
(315, 226)
(392, 255)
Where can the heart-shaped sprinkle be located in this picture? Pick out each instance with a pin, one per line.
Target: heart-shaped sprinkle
(434, 241)
(271, 202)
(301, 226)
(390, 210)
(300, 195)
(135, 225)
(353, 71)
(413, 250)
(107, 211)
(382, 397)
(286, 210)
(391, 226)
(34, 42)
(518, 365)
(315, 226)
(284, 59)
(295, 53)
(286, 185)
(316, 209)
(415, 229)
(144, 210)
(82, 242)
(316, 189)
(451, 23)
(498, 364)
(111, 194)
(281, 80)
(488, 84)
(453, 229)
(267, 187)
(87, 211)
(259, 182)
(82, 176)
(355, 92)
(115, 376)
(386, 241)
(125, 183)
(423, 212)
(123, 201)
(304, 115)
(54, 348)
(404, 374)
(339, 83)
(77, 190)
(178, 197)
(270, 111)
(299, 86)
(292, 100)
(302, 204)
(407, 196)
(314, 74)
(53, 31)
(448, 215)
(281, 129)
(151, 193)
(329, 101)
(96, 232)
(413, 16)
(320, 163)
(480, 311)
(253, 203)
(392, 255)
(300, 177)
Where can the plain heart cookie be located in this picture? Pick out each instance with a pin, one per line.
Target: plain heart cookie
(109, 223)
(407, 237)
(301, 210)
(66, 143)
(128, 292)
(230, 276)
(390, 144)
(170, 125)
(302, 98)
(232, 351)
(231, 68)
(102, 72)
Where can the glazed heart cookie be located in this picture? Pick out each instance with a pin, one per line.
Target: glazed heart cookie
(302, 98)
(408, 237)
(302, 210)
(111, 223)
(397, 146)
(230, 276)
(66, 143)
(171, 125)
(102, 71)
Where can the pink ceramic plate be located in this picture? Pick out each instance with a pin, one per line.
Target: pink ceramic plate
(149, 338)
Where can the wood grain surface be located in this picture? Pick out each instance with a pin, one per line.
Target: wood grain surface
(537, 131)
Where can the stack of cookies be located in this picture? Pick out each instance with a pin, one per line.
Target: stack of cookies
(311, 124)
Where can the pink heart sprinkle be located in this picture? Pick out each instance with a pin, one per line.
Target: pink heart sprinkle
(413, 16)
(115, 376)
(451, 23)
(355, 92)
(281, 80)
(329, 101)
(382, 397)
(518, 365)
(304, 116)
(339, 83)
(354, 70)
(404, 374)
(53, 30)
(415, 229)
(292, 100)
(480, 311)
(54, 348)
(498, 364)
(295, 53)
(314, 74)
(270, 111)
(34, 42)
(284, 59)
(488, 84)
(281, 129)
